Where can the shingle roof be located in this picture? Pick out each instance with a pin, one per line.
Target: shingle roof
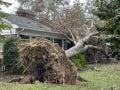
(28, 23)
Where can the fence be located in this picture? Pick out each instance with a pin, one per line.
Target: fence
(2, 67)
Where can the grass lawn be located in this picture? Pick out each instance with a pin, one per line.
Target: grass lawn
(107, 78)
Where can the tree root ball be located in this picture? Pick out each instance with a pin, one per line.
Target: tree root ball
(47, 62)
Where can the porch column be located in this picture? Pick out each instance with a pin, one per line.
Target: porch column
(17, 35)
(30, 38)
(53, 40)
(63, 44)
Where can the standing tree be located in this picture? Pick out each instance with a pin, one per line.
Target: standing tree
(11, 55)
(2, 15)
(109, 12)
(67, 19)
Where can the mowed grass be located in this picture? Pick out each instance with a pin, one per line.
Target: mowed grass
(108, 78)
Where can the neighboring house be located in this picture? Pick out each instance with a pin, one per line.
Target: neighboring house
(27, 28)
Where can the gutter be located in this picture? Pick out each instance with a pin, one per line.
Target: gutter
(40, 30)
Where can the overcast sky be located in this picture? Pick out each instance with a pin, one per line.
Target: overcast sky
(15, 4)
(12, 8)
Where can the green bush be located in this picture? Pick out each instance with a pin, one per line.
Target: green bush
(79, 60)
(11, 55)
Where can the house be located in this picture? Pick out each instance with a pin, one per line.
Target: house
(26, 27)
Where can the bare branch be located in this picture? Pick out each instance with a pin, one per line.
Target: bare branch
(73, 37)
(87, 37)
(71, 33)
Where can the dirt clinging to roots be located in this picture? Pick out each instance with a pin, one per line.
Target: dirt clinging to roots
(47, 62)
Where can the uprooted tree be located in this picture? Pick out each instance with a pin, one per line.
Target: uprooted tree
(67, 19)
(47, 62)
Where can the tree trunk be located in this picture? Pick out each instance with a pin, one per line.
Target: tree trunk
(79, 48)
(74, 50)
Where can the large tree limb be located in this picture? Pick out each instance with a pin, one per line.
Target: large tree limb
(79, 49)
(86, 38)
(75, 49)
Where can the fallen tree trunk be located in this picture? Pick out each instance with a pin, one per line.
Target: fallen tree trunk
(47, 63)
(78, 48)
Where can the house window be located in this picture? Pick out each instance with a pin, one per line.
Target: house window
(69, 44)
(59, 41)
(24, 37)
(48, 38)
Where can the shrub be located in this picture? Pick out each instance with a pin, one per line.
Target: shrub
(11, 55)
(79, 60)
